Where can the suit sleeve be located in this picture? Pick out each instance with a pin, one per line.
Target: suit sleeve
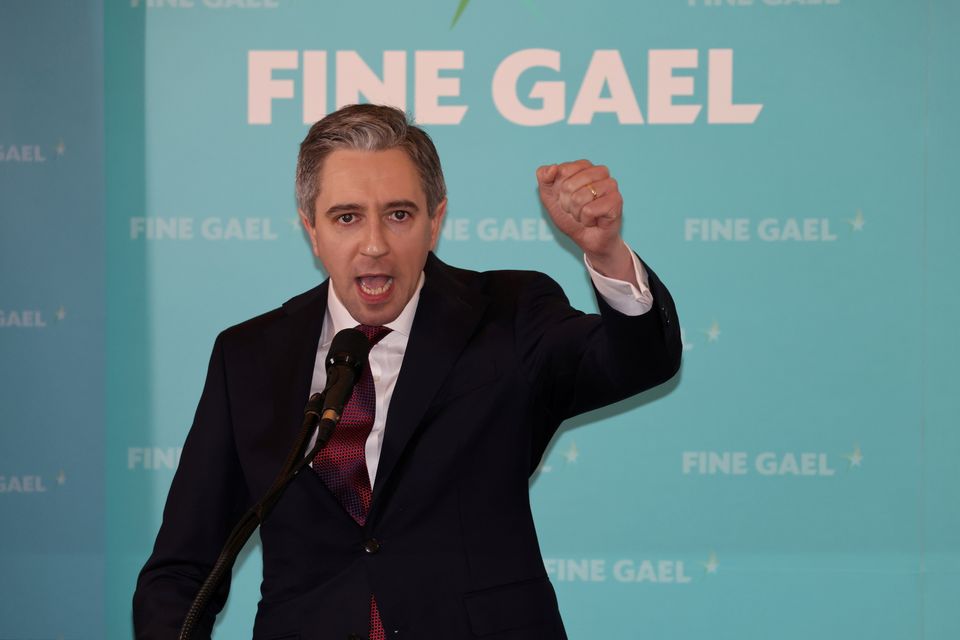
(208, 495)
(578, 362)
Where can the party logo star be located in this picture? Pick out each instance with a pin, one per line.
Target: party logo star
(856, 222)
(61, 148)
(856, 457)
(572, 453)
(713, 333)
(61, 313)
(712, 564)
(543, 468)
(61, 478)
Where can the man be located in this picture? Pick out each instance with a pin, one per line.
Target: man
(470, 376)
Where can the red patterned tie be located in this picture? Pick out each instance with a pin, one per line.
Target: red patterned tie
(342, 464)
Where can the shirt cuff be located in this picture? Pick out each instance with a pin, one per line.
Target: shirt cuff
(620, 295)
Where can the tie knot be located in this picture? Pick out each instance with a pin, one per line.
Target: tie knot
(374, 334)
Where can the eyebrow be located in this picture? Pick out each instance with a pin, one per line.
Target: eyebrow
(402, 204)
(350, 207)
(346, 207)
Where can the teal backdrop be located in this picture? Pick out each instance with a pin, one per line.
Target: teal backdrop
(788, 168)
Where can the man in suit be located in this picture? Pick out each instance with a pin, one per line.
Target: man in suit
(470, 377)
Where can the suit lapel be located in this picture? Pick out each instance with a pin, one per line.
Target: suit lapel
(290, 354)
(447, 315)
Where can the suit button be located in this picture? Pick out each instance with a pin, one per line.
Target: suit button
(371, 546)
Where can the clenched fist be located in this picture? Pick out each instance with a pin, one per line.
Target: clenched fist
(584, 201)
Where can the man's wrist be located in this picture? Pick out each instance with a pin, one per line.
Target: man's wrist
(624, 295)
(616, 264)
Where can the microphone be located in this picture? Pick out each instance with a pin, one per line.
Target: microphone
(345, 360)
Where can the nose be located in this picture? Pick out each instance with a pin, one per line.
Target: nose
(375, 241)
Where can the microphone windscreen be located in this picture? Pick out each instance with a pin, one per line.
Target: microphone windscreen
(349, 347)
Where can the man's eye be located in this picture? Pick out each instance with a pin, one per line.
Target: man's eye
(400, 215)
(345, 218)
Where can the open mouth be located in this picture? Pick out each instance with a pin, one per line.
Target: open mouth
(375, 286)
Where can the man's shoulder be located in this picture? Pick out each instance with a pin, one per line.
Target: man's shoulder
(497, 282)
(308, 304)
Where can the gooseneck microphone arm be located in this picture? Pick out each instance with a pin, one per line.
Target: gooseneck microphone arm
(345, 360)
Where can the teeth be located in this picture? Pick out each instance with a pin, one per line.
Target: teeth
(375, 291)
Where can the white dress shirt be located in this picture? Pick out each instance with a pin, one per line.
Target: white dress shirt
(387, 355)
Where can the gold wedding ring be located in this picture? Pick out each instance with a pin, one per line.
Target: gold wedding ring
(593, 191)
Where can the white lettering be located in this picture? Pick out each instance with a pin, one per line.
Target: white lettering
(720, 107)
(768, 230)
(579, 570)
(211, 228)
(25, 318)
(714, 229)
(154, 458)
(262, 88)
(22, 153)
(354, 78)
(714, 462)
(237, 229)
(623, 570)
(794, 229)
(431, 87)
(159, 228)
(314, 86)
(606, 69)
(456, 229)
(22, 484)
(550, 93)
(518, 229)
(605, 74)
(664, 571)
(663, 86)
(769, 463)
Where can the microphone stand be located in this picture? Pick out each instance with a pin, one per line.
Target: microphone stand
(258, 513)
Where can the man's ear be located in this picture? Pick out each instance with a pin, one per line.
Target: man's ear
(311, 232)
(436, 223)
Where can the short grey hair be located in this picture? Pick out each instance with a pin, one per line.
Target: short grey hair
(367, 127)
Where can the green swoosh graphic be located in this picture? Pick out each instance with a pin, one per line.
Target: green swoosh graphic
(460, 8)
(463, 5)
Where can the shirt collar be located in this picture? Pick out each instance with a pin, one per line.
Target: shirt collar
(338, 318)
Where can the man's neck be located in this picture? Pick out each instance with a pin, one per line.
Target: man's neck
(338, 318)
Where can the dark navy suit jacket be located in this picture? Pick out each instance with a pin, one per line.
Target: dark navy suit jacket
(495, 362)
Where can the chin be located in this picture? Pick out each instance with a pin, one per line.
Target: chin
(376, 318)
